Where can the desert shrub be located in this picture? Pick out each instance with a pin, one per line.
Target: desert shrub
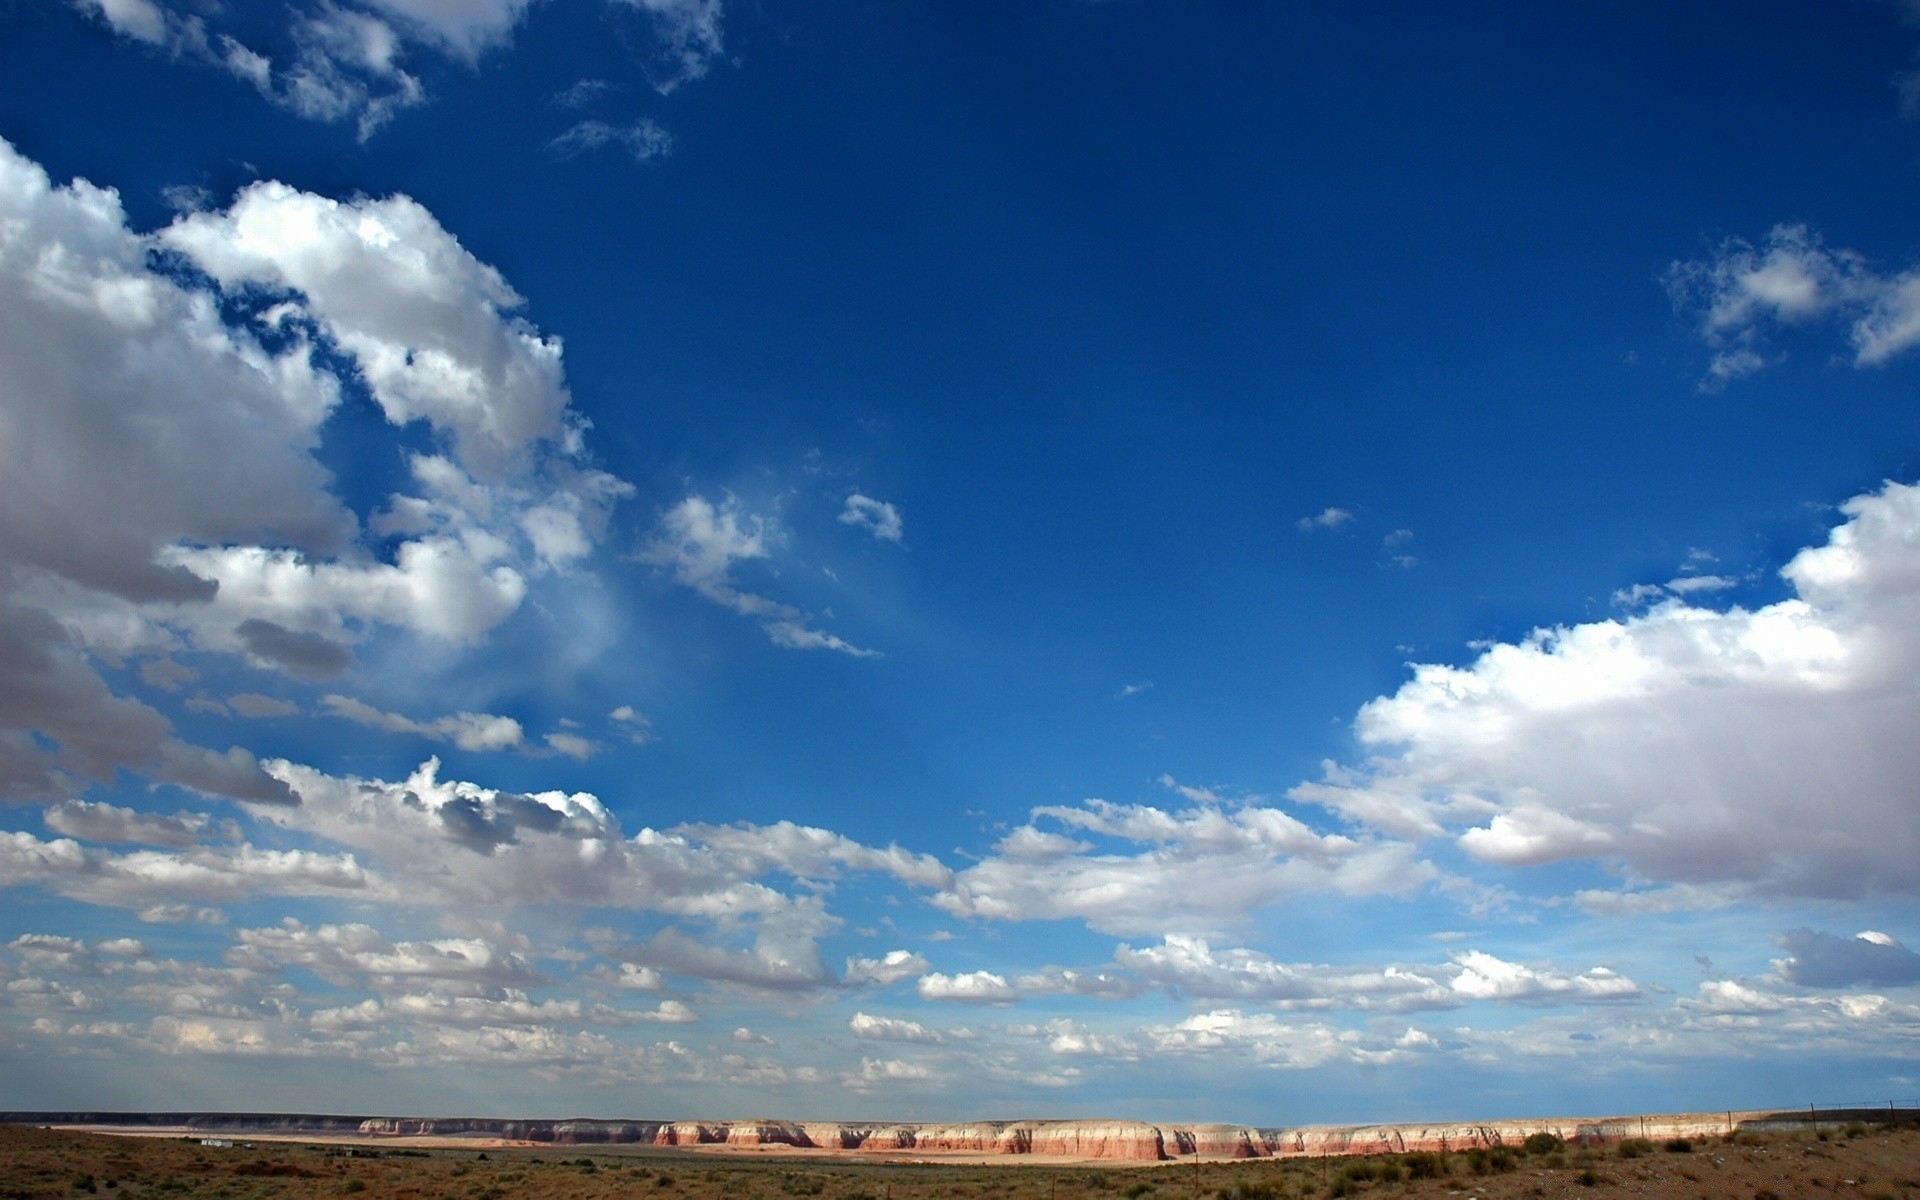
(85, 1183)
(1500, 1159)
(354, 1185)
(1425, 1165)
(1542, 1143)
(1679, 1145)
(1854, 1129)
(1389, 1172)
(1136, 1190)
(1586, 1179)
(1358, 1171)
(1766, 1194)
(1342, 1187)
(1635, 1147)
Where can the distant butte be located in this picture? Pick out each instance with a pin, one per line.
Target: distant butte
(1132, 1141)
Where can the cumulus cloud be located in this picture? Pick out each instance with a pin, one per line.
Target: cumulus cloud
(697, 542)
(775, 962)
(1826, 960)
(1259, 1037)
(100, 822)
(885, 971)
(351, 954)
(891, 1029)
(1765, 748)
(1189, 966)
(1484, 977)
(877, 517)
(1742, 294)
(1207, 867)
(1326, 518)
(170, 498)
(159, 881)
(974, 987)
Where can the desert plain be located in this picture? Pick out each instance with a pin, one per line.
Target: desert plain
(1868, 1160)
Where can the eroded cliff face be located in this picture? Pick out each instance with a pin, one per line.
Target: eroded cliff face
(1129, 1141)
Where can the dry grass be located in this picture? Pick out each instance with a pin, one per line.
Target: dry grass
(37, 1164)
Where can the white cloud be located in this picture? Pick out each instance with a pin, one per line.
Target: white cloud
(1190, 967)
(645, 140)
(1326, 518)
(877, 517)
(170, 497)
(878, 1072)
(469, 731)
(424, 319)
(351, 954)
(509, 1008)
(1204, 868)
(149, 879)
(462, 27)
(101, 822)
(698, 542)
(1743, 293)
(141, 20)
(891, 1029)
(775, 962)
(1826, 961)
(975, 987)
(690, 39)
(1065, 981)
(1484, 977)
(1766, 748)
(885, 971)
(1260, 1037)
(638, 728)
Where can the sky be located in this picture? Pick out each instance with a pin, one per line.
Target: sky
(1279, 563)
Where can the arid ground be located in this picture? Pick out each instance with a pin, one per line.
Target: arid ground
(1846, 1161)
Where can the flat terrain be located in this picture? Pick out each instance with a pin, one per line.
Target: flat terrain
(1854, 1161)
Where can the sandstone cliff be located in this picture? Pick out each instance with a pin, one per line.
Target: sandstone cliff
(1127, 1141)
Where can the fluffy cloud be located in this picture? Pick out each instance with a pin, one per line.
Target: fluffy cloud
(885, 971)
(143, 879)
(352, 954)
(510, 1008)
(100, 822)
(1825, 960)
(1743, 293)
(1326, 518)
(169, 496)
(1484, 977)
(1259, 1037)
(877, 517)
(891, 1029)
(1190, 967)
(697, 542)
(1767, 748)
(1206, 867)
(975, 987)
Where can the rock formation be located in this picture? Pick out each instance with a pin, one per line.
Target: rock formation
(1127, 1141)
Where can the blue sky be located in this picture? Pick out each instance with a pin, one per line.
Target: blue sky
(1278, 563)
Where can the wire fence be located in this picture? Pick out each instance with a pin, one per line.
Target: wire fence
(1865, 1111)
